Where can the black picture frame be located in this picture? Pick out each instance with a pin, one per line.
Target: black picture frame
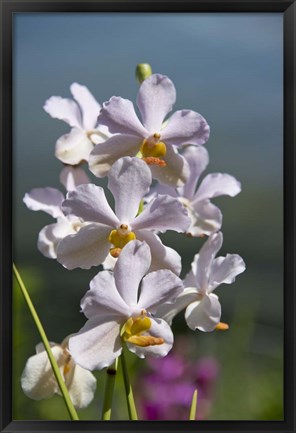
(10, 7)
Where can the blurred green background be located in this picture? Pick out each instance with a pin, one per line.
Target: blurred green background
(228, 67)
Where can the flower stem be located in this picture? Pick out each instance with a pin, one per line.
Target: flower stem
(109, 388)
(54, 365)
(132, 411)
(192, 415)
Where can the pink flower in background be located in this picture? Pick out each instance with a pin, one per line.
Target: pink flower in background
(165, 390)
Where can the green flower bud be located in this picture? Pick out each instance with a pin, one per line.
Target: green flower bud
(143, 71)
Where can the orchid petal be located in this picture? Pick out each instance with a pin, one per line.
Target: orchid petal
(159, 287)
(205, 314)
(132, 264)
(156, 97)
(120, 117)
(48, 200)
(103, 297)
(102, 132)
(99, 135)
(104, 155)
(64, 109)
(162, 257)
(81, 385)
(198, 159)
(160, 189)
(89, 202)
(90, 108)
(206, 218)
(109, 262)
(97, 344)
(202, 263)
(176, 171)
(74, 147)
(216, 184)
(159, 328)
(89, 247)
(225, 269)
(37, 379)
(169, 311)
(40, 346)
(71, 177)
(190, 278)
(50, 236)
(185, 127)
(163, 213)
(129, 180)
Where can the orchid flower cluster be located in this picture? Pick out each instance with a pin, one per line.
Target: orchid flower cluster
(153, 166)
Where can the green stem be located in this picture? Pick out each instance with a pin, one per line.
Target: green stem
(132, 411)
(192, 415)
(54, 365)
(109, 388)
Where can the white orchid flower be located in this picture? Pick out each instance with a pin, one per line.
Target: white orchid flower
(203, 309)
(155, 141)
(81, 114)
(206, 218)
(119, 308)
(50, 200)
(38, 381)
(128, 180)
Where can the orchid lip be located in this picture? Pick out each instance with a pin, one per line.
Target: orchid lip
(153, 151)
(136, 331)
(119, 238)
(151, 160)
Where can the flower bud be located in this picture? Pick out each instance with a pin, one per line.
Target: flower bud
(143, 71)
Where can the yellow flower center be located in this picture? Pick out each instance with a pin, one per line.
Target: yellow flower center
(119, 238)
(153, 150)
(133, 329)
